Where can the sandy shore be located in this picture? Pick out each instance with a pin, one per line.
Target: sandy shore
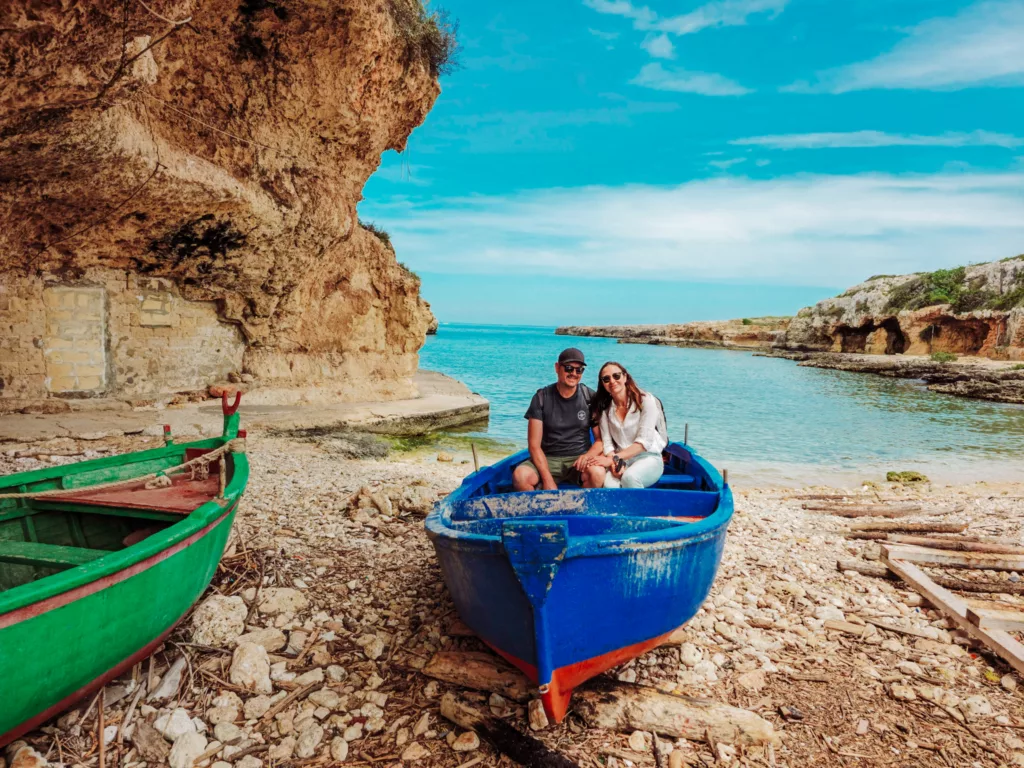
(352, 596)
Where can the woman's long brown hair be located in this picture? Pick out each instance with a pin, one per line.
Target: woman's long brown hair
(603, 398)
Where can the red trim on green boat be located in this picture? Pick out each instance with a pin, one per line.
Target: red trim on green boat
(57, 601)
(86, 689)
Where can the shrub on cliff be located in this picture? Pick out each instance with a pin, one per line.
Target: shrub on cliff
(379, 232)
(429, 35)
(943, 357)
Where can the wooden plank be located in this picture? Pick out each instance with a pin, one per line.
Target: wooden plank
(955, 608)
(974, 560)
(857, 630)
(995, 618)
(479, 671)
(50, 555)
(908, 527)
(955, 544)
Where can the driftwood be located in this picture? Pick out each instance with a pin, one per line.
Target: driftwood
(908, 527)
(949, 582)
(867, 535)
(851, 510)
(865, 568)
(627, 707)
(522, 748)
(479, 671)
(960, 544)
(970, 560)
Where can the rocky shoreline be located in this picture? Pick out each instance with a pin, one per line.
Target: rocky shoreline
(309, 647)
(746, 334)
(979, 379)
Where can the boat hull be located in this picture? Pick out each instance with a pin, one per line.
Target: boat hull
(572, 593)
(59, 649)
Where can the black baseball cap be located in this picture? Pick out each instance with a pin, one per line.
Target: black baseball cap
(571, 355)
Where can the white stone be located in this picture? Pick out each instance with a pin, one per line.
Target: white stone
(174, 724)
(538, 717)
(690, 654)
(225, 708)
(753, 681)
(227, 733)
(257, 707)
(466, 742)
(1009, 683)
(250, 668)
(353, 732)
(910, 668)
(325, 697)
(336, 674)
(187, 747)
(902, 692)
(638, 741)
(309, 740)
(421, 725)
(976, 706)
(275, 601)
(282, 751)
(249, 761)
(315, 675)
(271, 638)
(415, 751)
(339, 749)
(219, 620)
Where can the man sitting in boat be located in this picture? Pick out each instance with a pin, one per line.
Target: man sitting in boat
(633, 425)
(558, 433)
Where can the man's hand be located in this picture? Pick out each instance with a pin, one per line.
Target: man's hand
(583, 461)
(549, 484)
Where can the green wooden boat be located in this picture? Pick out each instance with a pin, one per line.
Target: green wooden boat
(95, 571)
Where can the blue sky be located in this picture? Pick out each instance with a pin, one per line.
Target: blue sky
(616, 161)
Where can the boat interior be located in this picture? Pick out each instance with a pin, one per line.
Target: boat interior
(46, 535)
(686, 493)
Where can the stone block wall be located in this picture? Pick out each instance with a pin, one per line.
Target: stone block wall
(109, 333)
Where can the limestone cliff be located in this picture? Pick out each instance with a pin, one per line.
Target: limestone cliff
(187, 172)
(748, 333)
(976, 310)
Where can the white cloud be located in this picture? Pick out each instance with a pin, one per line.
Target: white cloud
(864, 139)
(981, 46)
(602, 35)
(722, 13)
(807, 229)
(725, 164)
(622, 8)
(680, 80)
(659, 46)
(406, 173)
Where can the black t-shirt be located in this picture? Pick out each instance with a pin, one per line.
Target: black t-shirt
(566, 421)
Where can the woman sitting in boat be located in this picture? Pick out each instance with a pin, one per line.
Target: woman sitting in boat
(632, 427)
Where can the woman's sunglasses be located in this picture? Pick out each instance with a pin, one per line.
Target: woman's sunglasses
(573, 369)
(617, 375)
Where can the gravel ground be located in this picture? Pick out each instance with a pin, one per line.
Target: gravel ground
(352, 605)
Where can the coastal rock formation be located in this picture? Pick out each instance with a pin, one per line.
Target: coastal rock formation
(748, 333)
(432, 324)
(976, 311)
(179, 184)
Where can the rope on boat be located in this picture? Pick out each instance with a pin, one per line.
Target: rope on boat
(200, 466)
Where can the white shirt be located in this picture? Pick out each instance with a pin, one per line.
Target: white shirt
(638, 427)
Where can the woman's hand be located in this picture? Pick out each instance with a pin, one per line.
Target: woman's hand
(602, 461)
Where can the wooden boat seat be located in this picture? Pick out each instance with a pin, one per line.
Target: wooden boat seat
(182, 497)
(50, 555)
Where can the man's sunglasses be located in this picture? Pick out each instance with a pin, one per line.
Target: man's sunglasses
(617, 375)
(573, 369)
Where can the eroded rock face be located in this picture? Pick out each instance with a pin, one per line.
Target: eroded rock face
(975, 310)
(224, 156)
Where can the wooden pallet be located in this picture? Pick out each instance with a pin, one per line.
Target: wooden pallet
(987, 625)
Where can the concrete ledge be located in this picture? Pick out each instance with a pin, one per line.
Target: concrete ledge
(443, 403)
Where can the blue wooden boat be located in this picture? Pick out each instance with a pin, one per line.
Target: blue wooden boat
(567, 584)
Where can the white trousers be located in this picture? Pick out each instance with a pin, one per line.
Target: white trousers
(644, 472)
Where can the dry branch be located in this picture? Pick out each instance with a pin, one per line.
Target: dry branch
(479, 671)
(627, 707)
(908, 527)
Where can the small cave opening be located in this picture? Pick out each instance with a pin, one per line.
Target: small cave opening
(854, 339)
(961, 337)
(895, 340)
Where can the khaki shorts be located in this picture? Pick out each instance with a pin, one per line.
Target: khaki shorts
(562, 469)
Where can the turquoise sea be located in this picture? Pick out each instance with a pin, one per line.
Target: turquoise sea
(766, 420)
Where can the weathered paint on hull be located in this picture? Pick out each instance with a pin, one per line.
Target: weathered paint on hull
(59, 649)
(566, 585)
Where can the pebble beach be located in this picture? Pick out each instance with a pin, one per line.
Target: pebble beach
(308, 648)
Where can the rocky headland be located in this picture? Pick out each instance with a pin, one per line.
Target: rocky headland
(959, 330)
(747, 333)
(179, 188)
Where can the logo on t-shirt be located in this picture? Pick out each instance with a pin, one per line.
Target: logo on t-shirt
(582, 415)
